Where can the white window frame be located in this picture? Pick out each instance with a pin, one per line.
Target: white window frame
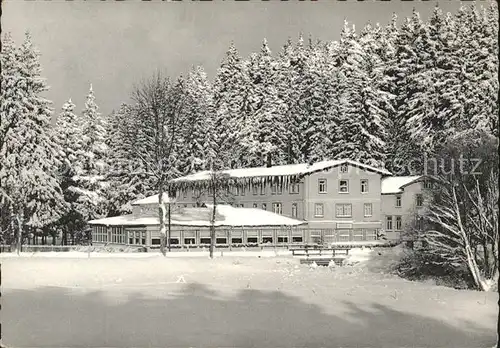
(343, 206)
(294, 188)
(295, 210)
(399, 222)
(344, 168)
(273, 189)
(399, 201)
(277, 208)
(344, 186)
(364, 182)
(319, 210)
(365, 206)
(419, 197)
(262, 189)
(389, 226)
(324, 183)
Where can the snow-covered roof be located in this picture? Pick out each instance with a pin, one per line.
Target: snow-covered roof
(282, 170)
(152, 200)
(394, 184)
(226, 215)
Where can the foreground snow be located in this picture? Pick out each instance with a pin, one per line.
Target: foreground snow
(147, 300)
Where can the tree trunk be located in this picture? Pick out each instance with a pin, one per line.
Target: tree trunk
(169, 226)
(20, 218)
(212, 222)
(162, 213)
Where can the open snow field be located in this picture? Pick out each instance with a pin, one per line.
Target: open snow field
(238, 300)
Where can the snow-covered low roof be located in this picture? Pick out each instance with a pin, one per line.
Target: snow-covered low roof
(225, 216)
(395, 184)
(282, 170)
(151, 200)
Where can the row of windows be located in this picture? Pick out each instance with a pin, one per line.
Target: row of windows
(342, 210)
(137, 237)
(418, 198)
(343, 186)
(396, 223)
(256, 190)
(389, 223)
(100, 234)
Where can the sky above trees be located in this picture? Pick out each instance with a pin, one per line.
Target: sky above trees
(115, 45)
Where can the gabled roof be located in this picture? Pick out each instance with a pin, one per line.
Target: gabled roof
(225, 216)
(395, 184)
(281, 171)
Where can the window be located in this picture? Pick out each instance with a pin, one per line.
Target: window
(185, 205)
(364, 185)
(255, 189)
(399, 223)
(398, 201)
(318, 210)
(343, 186)
(388, 223)
(262, 189)
(368, 209)
(322, 185)
(240, 205)
(277, 208)
(294, 210)
(420, 200)
(294, 188)
(344, 168)
(264, 206)
(184, 193)
(427, 184)
(255, 205)
(273, 189)
(343, 210)
(280, 189)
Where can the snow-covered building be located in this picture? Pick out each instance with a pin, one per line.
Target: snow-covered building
(341, 196)
(339, 200)
(191, 226)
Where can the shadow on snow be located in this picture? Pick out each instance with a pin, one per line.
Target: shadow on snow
(196, 315)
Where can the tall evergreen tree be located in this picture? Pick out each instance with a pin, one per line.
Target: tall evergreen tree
(264, 126)
(69, 138)
(28, 175)
(91, 176)
(230, 100)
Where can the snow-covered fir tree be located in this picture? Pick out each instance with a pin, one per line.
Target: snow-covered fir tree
(362, 136)
(28, 174)
(90, 177)
(262, 134)
(69, 137)
(127, 178)
(230, 100)
(199, 120)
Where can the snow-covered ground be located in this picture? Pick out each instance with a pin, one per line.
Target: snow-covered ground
(237, 300)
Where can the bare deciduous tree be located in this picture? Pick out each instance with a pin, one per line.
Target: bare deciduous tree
(158, 106)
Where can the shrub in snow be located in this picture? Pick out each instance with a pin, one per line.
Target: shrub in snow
(313, 265)
(332, 264)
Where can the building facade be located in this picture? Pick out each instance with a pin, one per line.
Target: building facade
(338, 195)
